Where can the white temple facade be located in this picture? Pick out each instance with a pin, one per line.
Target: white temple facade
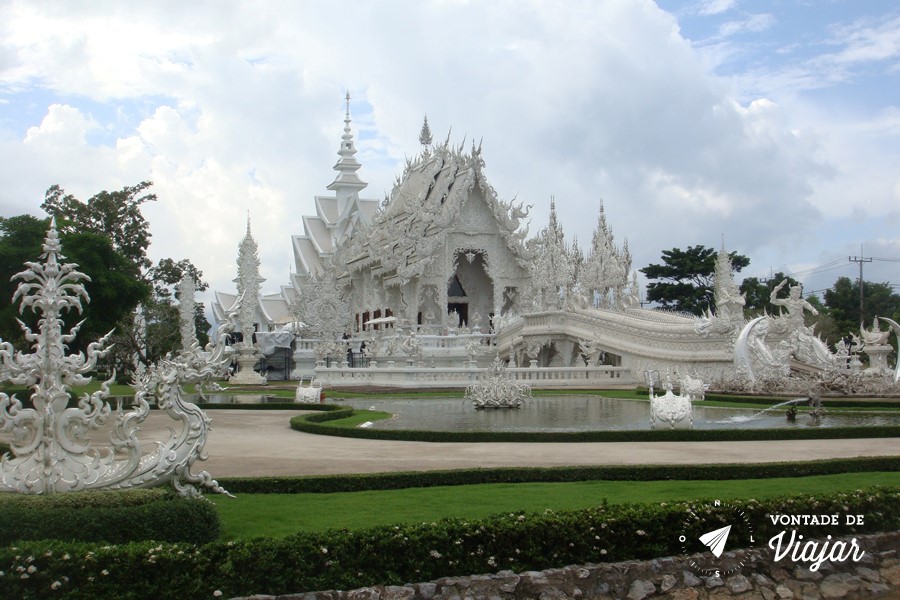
(429, 286)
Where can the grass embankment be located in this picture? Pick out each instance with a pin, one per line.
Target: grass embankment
(279, 515)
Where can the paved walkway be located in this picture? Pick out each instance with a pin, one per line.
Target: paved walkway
(258, 443)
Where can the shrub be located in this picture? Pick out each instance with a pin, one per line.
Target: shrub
(108, 516)
(325, 484)
(393, 555)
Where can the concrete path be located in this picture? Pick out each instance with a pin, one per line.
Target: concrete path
(257, 443)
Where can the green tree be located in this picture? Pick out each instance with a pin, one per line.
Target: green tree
(757, 293)
(156, 330)
(20, 241)
(113, 290)
(842, 301)
(116, 215)
(686, 278)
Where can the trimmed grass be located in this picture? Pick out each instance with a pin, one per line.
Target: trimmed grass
(279, 515)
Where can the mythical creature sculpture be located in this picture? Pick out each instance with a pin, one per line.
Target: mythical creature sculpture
(50, 449)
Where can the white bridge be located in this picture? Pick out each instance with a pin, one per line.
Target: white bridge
(567, 348)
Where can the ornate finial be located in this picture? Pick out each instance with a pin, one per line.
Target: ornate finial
(347, 97)
(425, 134)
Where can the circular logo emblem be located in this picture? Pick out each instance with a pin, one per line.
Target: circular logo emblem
(709, 531)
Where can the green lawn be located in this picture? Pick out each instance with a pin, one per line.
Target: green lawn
(278, 515)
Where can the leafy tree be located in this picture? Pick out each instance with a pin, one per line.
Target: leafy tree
(758, 292)
(842, 301)
(686, 278)
(823, 323)
(113, 290)
(156, 330)
(116, 215)
(20, 241)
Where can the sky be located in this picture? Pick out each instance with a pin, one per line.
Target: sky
(772, 126)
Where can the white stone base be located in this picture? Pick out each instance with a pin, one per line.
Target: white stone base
(878, 360)
(245, 375)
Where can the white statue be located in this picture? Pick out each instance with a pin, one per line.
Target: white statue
(794, 303)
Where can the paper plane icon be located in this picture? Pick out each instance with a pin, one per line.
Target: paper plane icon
(715, 540)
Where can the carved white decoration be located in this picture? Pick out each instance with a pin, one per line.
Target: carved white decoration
(692, 387)
(553, 268)
(896, 328)
(322, 306)
(497, 389)
(50, 449)
(309, 392)
(186, 309)
(248, 281)
(605, 273)
(671, 409)
(874, 336)
(728, 319)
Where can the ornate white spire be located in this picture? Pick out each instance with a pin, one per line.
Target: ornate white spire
(186, 308)
(347, 183)
(425, 134)
(248, 281)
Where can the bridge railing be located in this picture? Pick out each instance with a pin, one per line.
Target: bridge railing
(392, 375)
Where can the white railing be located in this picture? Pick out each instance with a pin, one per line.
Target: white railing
(421, 376)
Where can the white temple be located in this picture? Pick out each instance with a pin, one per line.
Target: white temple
(441, 277)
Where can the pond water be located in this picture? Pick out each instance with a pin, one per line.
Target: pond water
(585, 413)
(563, 413)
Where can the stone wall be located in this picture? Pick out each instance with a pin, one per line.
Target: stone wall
(877, 575)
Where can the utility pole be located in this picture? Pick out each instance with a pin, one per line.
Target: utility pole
(860, 260)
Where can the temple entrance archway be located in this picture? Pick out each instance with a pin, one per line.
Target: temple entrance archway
(470, 290)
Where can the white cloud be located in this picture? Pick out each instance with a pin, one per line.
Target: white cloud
(715, 7)
(750, 23)
(241, 108)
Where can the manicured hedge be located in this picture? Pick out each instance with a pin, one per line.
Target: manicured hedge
(317, 423)
(108, 516)
(326, 484)
(341, 559)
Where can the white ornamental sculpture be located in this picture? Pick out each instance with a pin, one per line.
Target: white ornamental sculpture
(553, 268)
(51, 452)
(604, 277)
(875, 345)
(248, 281)
(186, 309)
(671, 409)
(497, 389)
